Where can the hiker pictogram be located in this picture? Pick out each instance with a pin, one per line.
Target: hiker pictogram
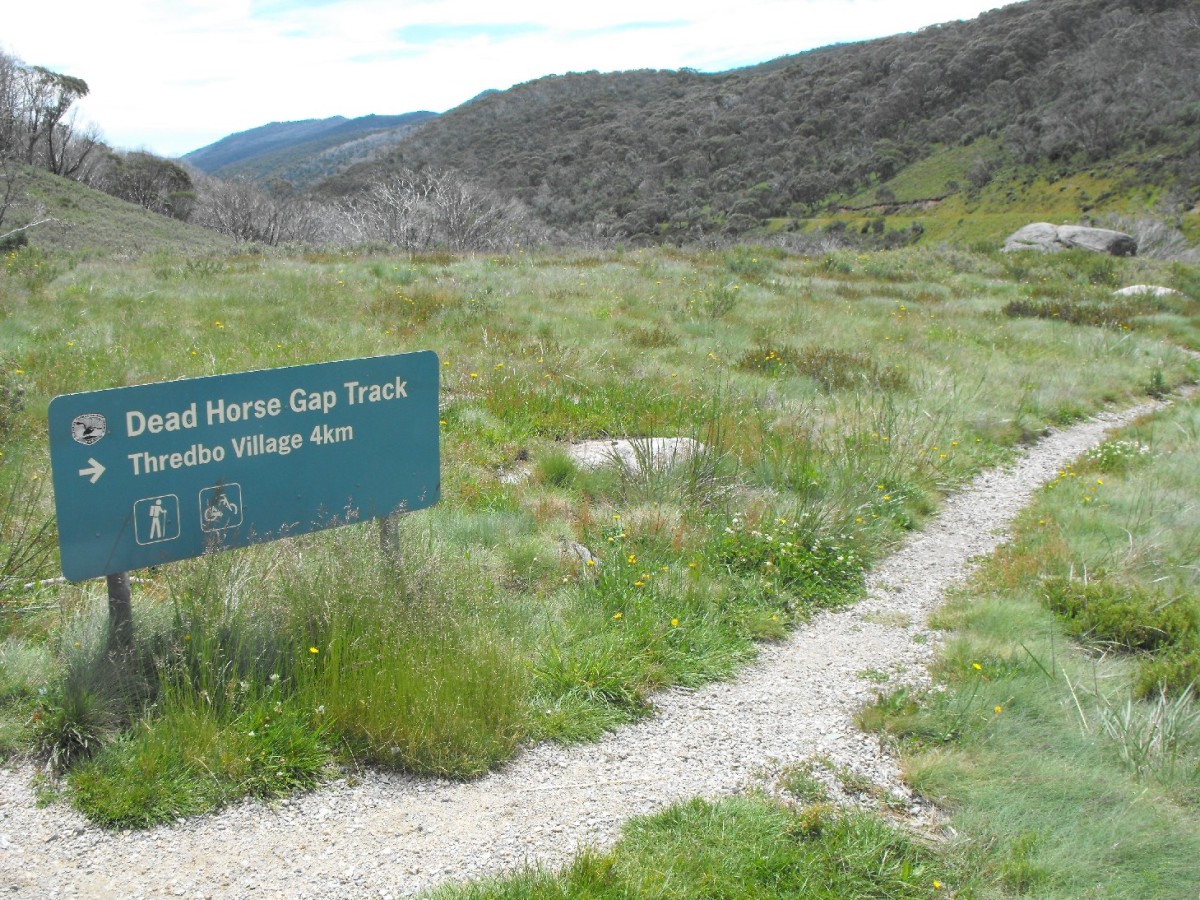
(156, 519)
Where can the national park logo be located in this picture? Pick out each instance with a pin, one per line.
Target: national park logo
(88, 428)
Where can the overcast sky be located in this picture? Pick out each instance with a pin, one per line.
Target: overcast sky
(174, 75)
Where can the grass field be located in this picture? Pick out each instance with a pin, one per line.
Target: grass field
(1062, 742)
(838, 397)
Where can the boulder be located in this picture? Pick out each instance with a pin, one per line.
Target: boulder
(1051, 238)
(1038, 236)
(1147, 290)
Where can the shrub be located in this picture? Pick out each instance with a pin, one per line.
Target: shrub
(1119, 313)
(714, 301)
(1171, 671)
(14, 240)
(830, 368)
(1128, 617)
(649, 339)
(751, 263)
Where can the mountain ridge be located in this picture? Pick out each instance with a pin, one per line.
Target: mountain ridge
(286, 150)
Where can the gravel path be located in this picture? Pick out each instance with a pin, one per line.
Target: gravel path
(390, 836)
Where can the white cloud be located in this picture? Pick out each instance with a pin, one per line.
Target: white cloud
(174, 75)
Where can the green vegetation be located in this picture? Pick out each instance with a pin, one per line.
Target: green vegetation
(962, 132)
(744, 847)
(1067, 741)
(301, 153)
(836, 397)
(1059, 780)
(85, 222)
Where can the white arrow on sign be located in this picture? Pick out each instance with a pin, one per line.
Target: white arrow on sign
(95, 470)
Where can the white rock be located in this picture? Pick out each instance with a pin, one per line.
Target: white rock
(635, 454)
(578, 553)
(1146, 290)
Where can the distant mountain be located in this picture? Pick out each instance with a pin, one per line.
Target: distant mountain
(303, 153)
(1045, 88)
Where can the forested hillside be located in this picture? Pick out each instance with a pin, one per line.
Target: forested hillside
(1055, 84)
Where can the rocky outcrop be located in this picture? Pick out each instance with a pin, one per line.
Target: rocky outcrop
(1051, 238)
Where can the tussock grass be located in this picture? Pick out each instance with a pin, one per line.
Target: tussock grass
(193, 756)
(1067, 740)
(896, 377)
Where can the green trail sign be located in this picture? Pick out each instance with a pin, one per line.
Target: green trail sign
(154, 473)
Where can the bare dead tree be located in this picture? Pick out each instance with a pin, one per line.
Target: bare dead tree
(239, 209)
(247, 212)
(38, 121)
(10, 107)
(419, 210)
(12, 189)
(395, 210)
(70, 146)
(467, 219)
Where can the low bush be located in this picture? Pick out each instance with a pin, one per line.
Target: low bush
(1120, 313)
(830, 368)
(1126, 617)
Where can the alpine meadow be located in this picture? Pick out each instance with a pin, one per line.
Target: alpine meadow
(782, 293)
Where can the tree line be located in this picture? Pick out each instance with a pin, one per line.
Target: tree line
(664, 155)
(38, 124)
